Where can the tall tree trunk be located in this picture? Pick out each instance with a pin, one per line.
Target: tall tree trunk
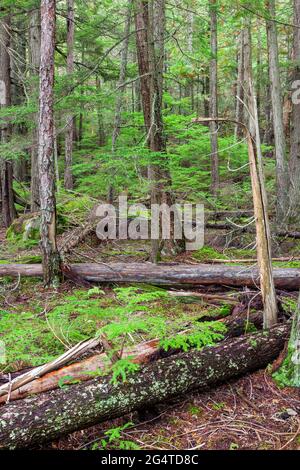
(263, 236)
(122, 77)
(18, 97)
(142, 26)
(157, 172)
(206, 88)
(150, 17)
(269, 131)
(8, 208)
(68, 176)
(295, 123)
(213, 102)
(34, 57)
(120, 92)
(101, 133)
(282, 172)
(46, 145)
(259, 71)
(239, 110)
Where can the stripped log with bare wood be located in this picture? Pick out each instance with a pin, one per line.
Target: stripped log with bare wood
(46, 378)
(47, 417)
(165, 274)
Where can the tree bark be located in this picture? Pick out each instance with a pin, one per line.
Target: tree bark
(295, 124)
(164, 274)
(6, 169)
(150, 17)
(34, 57)
(46, 145)
(282, 171)
(122, 77)
(37, 381)
(69, 136)
(239, 110)
(18, 92)
(47, 417)
(213, 103)
(141, 26)
(263, 235)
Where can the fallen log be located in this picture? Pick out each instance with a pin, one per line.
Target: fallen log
(221, 215)
(47, 417)
(165, 274)
(247, 228)
(77, 235)
(195, 297)
(251, 260)
(79, 371)
(287, 234)
(143, 353)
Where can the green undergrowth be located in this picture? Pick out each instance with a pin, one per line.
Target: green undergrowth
(286, 375)
(207, 253)
(33, 334)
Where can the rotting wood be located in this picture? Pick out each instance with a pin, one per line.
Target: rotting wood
(143, 353)
(165, 274)
(83, 405)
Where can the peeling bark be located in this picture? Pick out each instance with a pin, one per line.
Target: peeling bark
(47, 417)
(164, 274)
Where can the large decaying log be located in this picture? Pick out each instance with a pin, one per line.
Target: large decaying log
(46, 417)
(165, 274)
(142, 353)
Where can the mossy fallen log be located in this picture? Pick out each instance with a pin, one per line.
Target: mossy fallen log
(47, 417)
(80, 371)
(164, 274)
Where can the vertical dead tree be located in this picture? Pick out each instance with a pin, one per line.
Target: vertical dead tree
(263, 236)
(295, 121)
(259, 70)
(213, 99)
(282, 173)
(34, 57)
(68, 176)
(264, 257)
(46, 145)
(6, 169)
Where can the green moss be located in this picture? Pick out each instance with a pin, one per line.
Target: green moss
(207, 253)
(27, 339)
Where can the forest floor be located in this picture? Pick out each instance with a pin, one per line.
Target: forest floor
(249, 413)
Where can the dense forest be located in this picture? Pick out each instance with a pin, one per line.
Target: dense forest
(150, 224)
